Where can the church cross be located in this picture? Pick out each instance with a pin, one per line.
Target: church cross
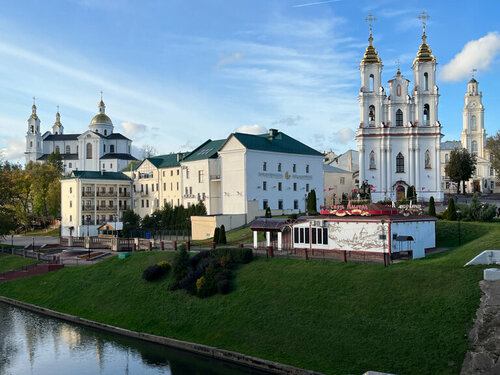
(473, 72)
(101, 95)
(397, 62)
(423, 17)
(370, 19)
(33, 100)
(57, 109)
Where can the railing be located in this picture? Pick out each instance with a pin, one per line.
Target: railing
(88, 208)
(189, 195)
(106, 194)
(88, 193)
(127, 194)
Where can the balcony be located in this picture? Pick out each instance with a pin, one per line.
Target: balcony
(106, 194)
(88, 208)
(125, 194)
(88, 193)
(189, 196)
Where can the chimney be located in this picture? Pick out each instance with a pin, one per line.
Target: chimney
(273, 132)
(179, 156)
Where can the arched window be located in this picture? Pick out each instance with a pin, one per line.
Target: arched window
(372, 79)
(473, 123)
(427, 159)
(112, 148)
(372, 161)
(398, 90)
(89, 150)
(68, 149)
(58, 150)
(426, 81)
(446, 158)
(32, 128)
(371, 115)
(31, 143)
(427, 114)
(399, 117)
(400, 163)
(105, 132)
(474, 147)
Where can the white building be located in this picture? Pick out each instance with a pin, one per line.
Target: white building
(473, 139)
(399, 134)
(97, 149)
(90, 199)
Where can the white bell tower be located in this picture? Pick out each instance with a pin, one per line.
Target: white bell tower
(58, 128)
(473, 134)
(33, 136)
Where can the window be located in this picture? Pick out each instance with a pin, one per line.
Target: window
(157, 186)
(371, 115)
(203, 196)
(473, 123)
(372, 160)
(294, 186)
(264, 185)
(71, 165)
(112, 148)
(426, 81)
(296, 235)
(111, 165)
(372, 79)
(307, 187)
(280, 204)
(70, 190)
(89, 150)
(427, 159)
(294, 168)
(171, 173)
(279, 167)
(295, 204)
(190, 190)
(491, 172)
(164, 186)
(474, 147)
(279, 186)
(103, 166)
(400, 163)
(446, 158)
(399, 117)
(307, 168)
(186, 190)
(447, 185)
(177, 172)
(31, 143)
(398, 90)
(187, 173)
(58, 150)
(264, 166)
(319, 230)
(70, 204)
(313, 236)
(70, 218)
(105, 132)
(146, 185)
(147, 202)
(177, 186)
(142, 203)
(342, 180)
(306, 233)
(68, 149)
(264, 204)
(200, 176)
(427, 114)
(171, 186)
(325, 236)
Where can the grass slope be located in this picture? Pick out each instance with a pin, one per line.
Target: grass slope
(11, 262)
(409, 318)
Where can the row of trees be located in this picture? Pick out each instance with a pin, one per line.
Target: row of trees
(28, 194)
(161, 220)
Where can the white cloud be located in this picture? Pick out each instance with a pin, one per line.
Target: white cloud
(14, 151)
(228, 59)
(131, 128)
(314, 3)
(343, 136)
(476, 54)
(251, 129)
(288, 121)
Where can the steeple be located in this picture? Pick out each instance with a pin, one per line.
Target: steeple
(370, 56)
(424, 53)
(57, 128)
(33, 110)
(102, 107)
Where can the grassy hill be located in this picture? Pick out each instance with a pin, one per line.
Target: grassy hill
(11, 262)
(408, 318)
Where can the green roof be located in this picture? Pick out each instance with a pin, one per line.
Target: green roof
(166, 161)
(96, 175)
(275, 141)
(134, 164)
(207, 150)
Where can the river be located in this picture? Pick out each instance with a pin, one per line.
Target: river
(31, 343)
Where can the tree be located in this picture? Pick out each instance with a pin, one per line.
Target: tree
(55, 159)
(311, 202)
(461, 167)
(216, 234)
(148, 151)
(268, 212)
(131, 222)
(493, 146)
(54, 199)
(451, 212)
(432, 207)
(41, 176)
(222, 235)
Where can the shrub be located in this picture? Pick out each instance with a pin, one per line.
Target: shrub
(181, 247)
(222, 235)
(199, 283)
(152, 273)
(223, 286)
(224, 275)
(268, 212)
(451, 212)
(432, 207)
(196, 259)
(226, 261)
(165, 266)
(237, 255)
(208, 286)
(188, 282)
(216, 234)
(180, 265)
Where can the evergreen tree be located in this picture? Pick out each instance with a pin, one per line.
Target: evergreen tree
(268, 212)
(55, 159)
(222, 235)
(451, 211)
(432, 207)
(311, 202)
(216, 234)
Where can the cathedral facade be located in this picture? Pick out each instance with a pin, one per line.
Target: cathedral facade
(400, 134)
(97, 149)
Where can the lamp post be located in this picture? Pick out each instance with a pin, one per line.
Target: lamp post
(459, 233)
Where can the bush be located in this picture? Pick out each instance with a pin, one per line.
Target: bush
(223, 287)
(165, 266)
(451, 212)
(268, 212)
(208, 285)
(226, 261)
(224, 275)
(216, 234)
(188, 282)
(152, 273)
(196, 259)
(180, 265)
(237, 255)
(432, 207)
(222, 235)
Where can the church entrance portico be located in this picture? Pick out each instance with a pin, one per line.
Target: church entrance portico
(400, 193)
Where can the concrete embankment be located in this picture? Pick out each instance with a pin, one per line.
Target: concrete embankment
(209, 351)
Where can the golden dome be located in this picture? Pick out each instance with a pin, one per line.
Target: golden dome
(370, 53)
(424, 53)
(101, 118)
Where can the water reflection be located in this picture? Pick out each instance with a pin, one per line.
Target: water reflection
(35, 344)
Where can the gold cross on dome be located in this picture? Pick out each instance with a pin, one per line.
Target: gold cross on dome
(397, 62)
(34, 100)
(101, 94)
(370, 19)
(423, 17)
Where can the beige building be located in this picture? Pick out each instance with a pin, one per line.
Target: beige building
(473, 139)
(90, 199)
(157, 181)
(336, 182)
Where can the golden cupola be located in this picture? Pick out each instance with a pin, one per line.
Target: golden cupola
(424, 53)
(371, 55)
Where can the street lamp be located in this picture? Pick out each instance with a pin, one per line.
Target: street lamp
(459, 233)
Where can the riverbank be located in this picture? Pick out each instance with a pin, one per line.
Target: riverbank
(411, 317)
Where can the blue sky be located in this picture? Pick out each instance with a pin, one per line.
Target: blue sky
(177, 72)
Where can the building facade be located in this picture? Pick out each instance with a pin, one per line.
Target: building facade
(473, 139)
(399, 135)
(90, 199)
(97, 149)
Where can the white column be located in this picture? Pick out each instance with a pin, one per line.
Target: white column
(361, 164)
(279, 240)
(268, 238)
(383, 168)
(389, 171)
(255, 233)
(417, 169)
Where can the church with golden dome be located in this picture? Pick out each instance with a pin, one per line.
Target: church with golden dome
(97, 149)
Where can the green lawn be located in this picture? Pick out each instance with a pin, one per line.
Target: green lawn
(234, 237)
(337, 318)
(51, 232)
(11, 262)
